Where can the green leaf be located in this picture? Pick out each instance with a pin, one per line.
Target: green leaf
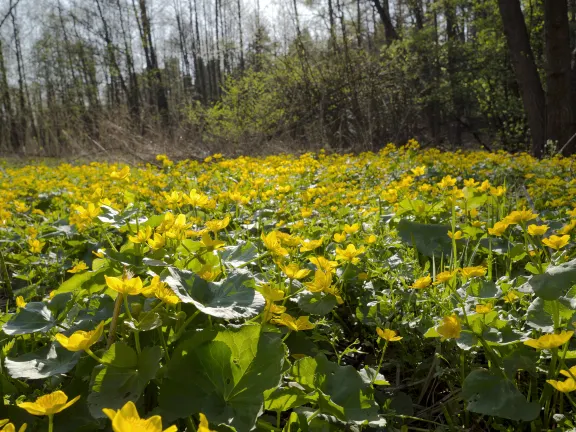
(231, 298)
(240, 254)
(343, 384)
(317, 303)
(34, 317)
(286, 398)
(223, 375)
(113, 386)
(90, 281)
(522, 358)
(429, 239)
(46, 362)
(554, 282)
(121, 355)
(495, 395)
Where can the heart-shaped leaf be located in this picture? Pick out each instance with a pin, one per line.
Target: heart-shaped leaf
(46, 362)
(231, 298)
(34, 317)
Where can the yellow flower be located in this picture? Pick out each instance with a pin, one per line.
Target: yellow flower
(351, 229)
(9, 427)
(422, 282)
(497, 191)
(150, 290)
(556, 242)
(270, 292)
(537, 230)
(124, 173)
(519, 216)
(127, 419)
(339, 238)
(483, 308)
(141, 236)
(444, 276)
(78, 268)
(81, 340)
(305, 212)
(124, 286)
(478, 271)
(272, 309)
(218, 225)
(387, 334)
(390, 195)
(447, 182)
(49, 404)
(20, 302)
(272, 243)
(371, 239)
(157, 242)
(550, 340)
(36, 245)
(511, 296)
(293, 271)
(302, 323)
(471, 183)
(419, 170)
(166, 295)
(450, 327)
(323, 264)
(563, 386)
(456, 235)
(210, 244)
(322, 281)
(498, 229)
(310, 245)
(350, 254)
(203, 426)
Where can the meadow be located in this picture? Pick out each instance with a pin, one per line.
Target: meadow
(405, 290)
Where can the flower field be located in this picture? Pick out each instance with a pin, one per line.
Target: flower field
(404, 290)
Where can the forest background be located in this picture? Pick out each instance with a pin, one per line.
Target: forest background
(194, 77)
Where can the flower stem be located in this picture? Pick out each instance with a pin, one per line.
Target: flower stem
(379, 363)
(51, 423)
(113, 324)
(136, 332)
(95, 357)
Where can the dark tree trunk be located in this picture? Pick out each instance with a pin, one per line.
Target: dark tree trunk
(522, 60)
(383, 9)
(558, 111)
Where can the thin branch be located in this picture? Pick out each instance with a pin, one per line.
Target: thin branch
(10, 9)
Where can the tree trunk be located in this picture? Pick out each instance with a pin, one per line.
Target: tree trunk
(558, 112)
(383, 9)
(522, 60)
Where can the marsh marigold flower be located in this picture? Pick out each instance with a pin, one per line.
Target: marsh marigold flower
(498, 229)
(483, 308)
(127, 419)
(422, 282)
(388, 335)
(124, 173)
(450, 327)
(9, 427)
(537, 230)
(350, 254)
(324, 264)
(550, 341)
(444, 276)
(310, 245)
(293, 271)
(132, 286)
(20, 302)
(302, 323)
(49, 404)
(455, 235)
(556, 242)
(81, 340)
(79, 268)
(478, 271)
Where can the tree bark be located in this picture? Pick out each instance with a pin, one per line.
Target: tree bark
(522, 60)
(383, 10)
(558, 111)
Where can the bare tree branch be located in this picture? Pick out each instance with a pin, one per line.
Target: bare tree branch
(10, 9)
